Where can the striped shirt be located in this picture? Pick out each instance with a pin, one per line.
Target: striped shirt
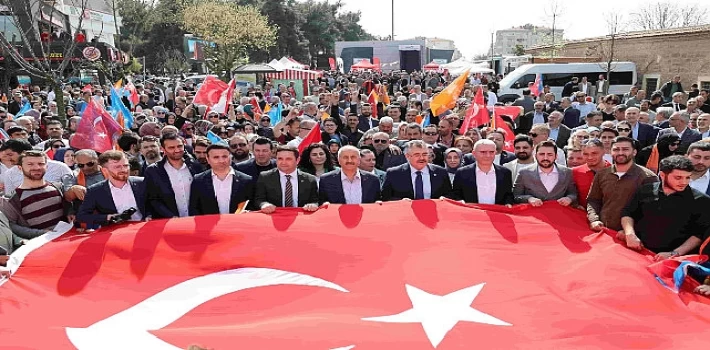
(42, 207)
(55, 171)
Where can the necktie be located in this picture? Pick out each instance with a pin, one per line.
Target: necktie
(677, 109)
(419, 186)
(288, 196)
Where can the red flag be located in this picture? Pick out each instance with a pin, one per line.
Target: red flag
(312, 137)
(498, 122)
(331, 62)
(477, 113)
(255, 103)
(96, 129)
(530, 278)
(373, 99)
(512, 111)
(211, 91)
(536, 88)
(132, 94)
(88, 88)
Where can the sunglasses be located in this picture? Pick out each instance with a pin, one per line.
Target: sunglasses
(675, 144)
(57, 146)
(379, 141)
(89, 164)
(582, 137)
(237, 145)
(623, 129)
(214, 116)
(431, 133)
(190, 129)
(532, 134)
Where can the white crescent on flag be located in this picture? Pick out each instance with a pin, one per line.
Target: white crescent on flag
(129, 328)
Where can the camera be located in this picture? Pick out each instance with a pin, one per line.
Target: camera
(123, 217)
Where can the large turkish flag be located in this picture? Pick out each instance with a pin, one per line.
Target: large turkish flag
(401, 275)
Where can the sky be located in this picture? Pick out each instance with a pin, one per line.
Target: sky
(470, 23)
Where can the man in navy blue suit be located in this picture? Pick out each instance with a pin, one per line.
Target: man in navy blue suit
(366, 122)
(348, 185)
(168, 181)
(221, 189)
(416, 179)
(111, 197)
(645, 134)
(484, 182)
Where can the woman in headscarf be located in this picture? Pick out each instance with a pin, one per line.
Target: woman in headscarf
(453, 159)
(66, 156)
(666, 146)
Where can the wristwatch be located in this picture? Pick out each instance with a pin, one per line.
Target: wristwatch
(674, 253)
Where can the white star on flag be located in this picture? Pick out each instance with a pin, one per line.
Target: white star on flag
(439, 314)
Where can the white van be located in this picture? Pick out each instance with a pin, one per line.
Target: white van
(556, 75)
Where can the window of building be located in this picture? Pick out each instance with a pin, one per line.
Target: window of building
(650, 82)
(9, 29)
(704, 85)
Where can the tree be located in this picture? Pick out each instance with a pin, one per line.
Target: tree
(553, 12)
(138, 17)
(519, 50)
(28, 41)
(663, 15)
(605, 49)
(231, 28)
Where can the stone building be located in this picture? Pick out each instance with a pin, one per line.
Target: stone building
(658, 54)
(525, 36)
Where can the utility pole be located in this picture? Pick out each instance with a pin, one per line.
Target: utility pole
(392, 37)
(492, 42)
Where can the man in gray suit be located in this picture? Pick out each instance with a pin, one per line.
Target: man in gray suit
(546, 181)
(286, 186)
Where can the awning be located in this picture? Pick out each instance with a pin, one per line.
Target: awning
(295, 74)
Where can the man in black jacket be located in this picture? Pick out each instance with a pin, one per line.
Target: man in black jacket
(261, 149)
(168, 181)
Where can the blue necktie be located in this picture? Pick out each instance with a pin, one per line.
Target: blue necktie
(419, 186)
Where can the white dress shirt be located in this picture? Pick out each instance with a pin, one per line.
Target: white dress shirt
(352, 189)
(701, 183)
(55, 172)
(549, 180)
(223, 191)
(295, 142)
(538, 118)
(294, 186)
(704, 134)
(486, 185)
(426, 178)
(635, 131)
(680, 134)
(180, 180)
(124, 199)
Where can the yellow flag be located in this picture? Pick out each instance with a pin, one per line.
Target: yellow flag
(385, 96)
(241, 206)
(267, 108)
(447, 98)
(118, 84)
(324, 116)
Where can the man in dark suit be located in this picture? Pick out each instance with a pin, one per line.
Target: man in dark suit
(645, 134)
(679, 124)
(545, 182)
(348, 185)
(550, 104)
(502, 156)
(558, 131)
(286, 186)
(484, 182)
(261, 149)
(527, 102)
(570, 87)
(351, 131)
(366, 122)
(572, 116)
(537, 116)
(220, 190)
(676, 102)
(416, 179)
(113, 196)
(168, 181)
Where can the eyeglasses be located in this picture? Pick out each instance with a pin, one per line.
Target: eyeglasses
(237, 145)
(89, 164)
(431, 133)
(302, 128)
(623, 129)
(379, 141)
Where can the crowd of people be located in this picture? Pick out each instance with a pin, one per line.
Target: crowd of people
(637, 166)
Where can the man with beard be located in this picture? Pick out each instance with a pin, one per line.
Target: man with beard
(150, 151)
(583, 175)
(613, 186)
(523, 145)
(113, 196)
(168, 181)
(699, 155)
(37, 205)
(547, 181)
(668, 218)
(385, 159)
(365, 120)
(239, 147)
(351, 131)
(199, 147)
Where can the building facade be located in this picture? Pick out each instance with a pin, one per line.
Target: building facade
(526, 36)
(407, 55)
(658, 54)
(97, 20)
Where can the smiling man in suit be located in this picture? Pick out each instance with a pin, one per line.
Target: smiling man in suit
(221, 189)
(114, 195)
(286, 186)
(645, 134)
(349, 185)
(484, 182)
(416, 179)
(546, 181)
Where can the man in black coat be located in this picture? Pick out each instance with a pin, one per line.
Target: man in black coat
(220, 190)
(286, 186)
(496, 186)
(349, 185)
(570, 87)
(261, 149)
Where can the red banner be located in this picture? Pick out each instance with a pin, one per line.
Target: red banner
(406, 275)
(331, 62)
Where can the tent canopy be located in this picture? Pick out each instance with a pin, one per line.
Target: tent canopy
(431, 66)
(365, 64)
(289, 72)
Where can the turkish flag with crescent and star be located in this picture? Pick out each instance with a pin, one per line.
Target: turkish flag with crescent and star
(427, 274)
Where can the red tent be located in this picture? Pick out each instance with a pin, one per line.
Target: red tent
(431, 66)
(364, 64)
